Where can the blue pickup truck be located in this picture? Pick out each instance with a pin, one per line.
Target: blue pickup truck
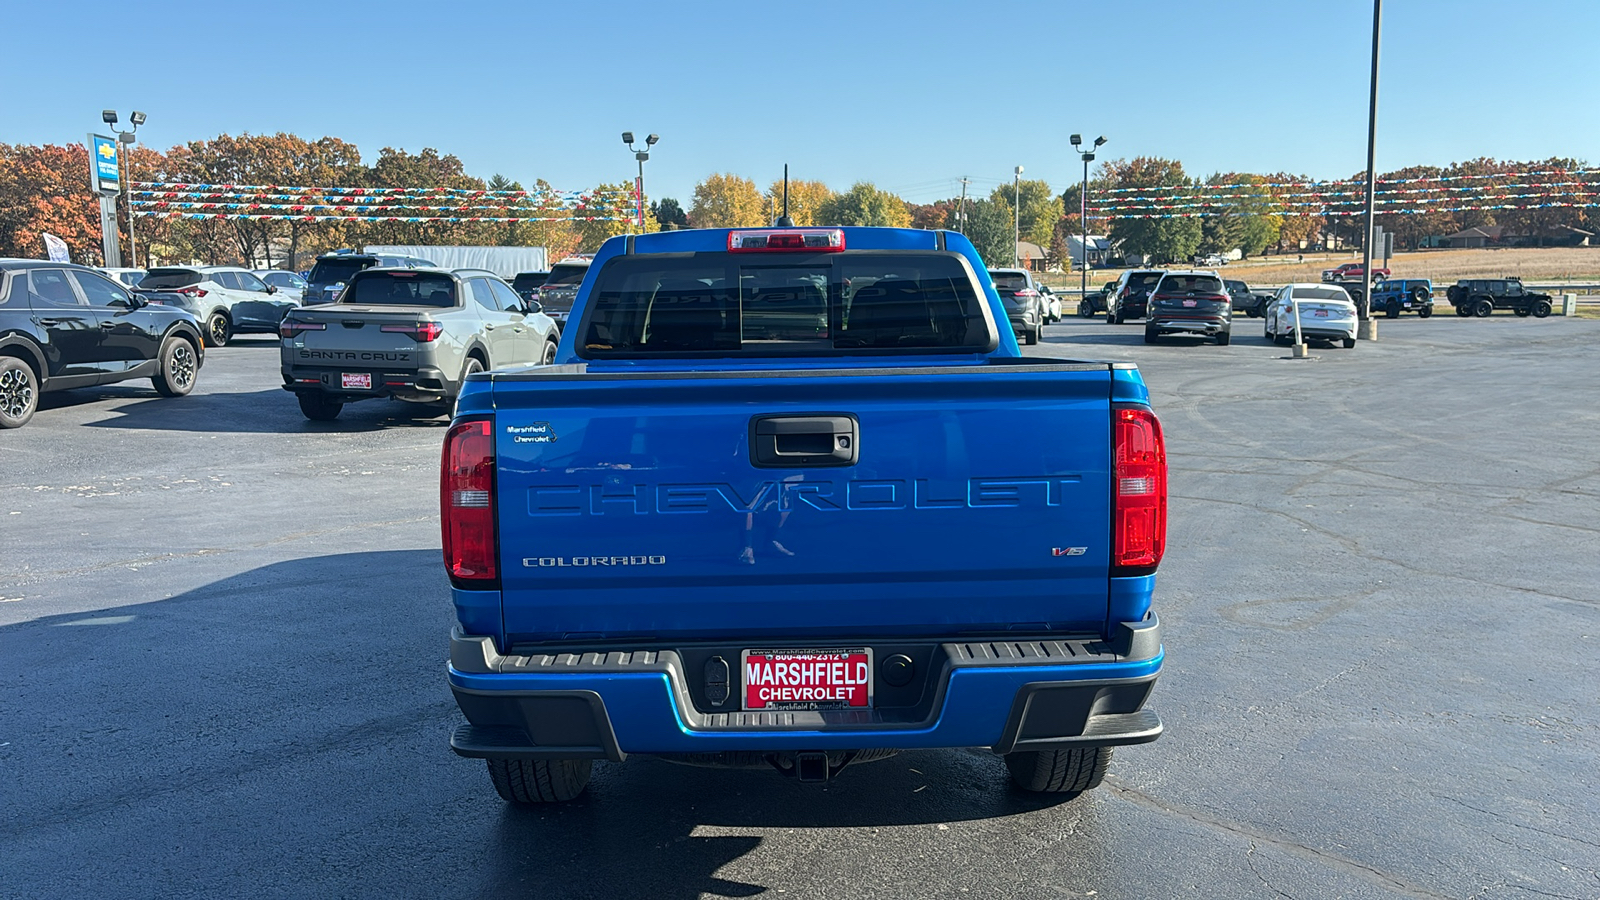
(793, 498)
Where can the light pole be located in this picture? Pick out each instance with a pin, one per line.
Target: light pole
(1016, 216)
(109, 116)
(1368, 325)
(1083, 211)
(641, 156)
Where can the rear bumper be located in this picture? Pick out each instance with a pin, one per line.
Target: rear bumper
(1324, 333)
(1005, 695)
(1195, 324)
(424, 385)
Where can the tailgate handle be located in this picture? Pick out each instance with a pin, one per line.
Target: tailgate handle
(352, 323)
(796, 442)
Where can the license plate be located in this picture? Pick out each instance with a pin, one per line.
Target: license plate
(355, 380)
(1320, 313)
(807, 679)
(1190, 303)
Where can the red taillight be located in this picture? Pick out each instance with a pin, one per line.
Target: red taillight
(290, 327)
(1139, 488)
(466, 504)
(1027, 292)
(816, 240)
(421, 332)
(191, 291)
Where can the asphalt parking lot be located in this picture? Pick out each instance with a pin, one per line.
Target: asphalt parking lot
(223, 635)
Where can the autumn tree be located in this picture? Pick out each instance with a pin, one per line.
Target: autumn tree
(46, 189)
(806, 200)
(1040, 208)
(1160, 239)
(727, 201)
(865, 204)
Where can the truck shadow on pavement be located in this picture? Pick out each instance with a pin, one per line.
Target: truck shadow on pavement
(268, 411)
(282, 725)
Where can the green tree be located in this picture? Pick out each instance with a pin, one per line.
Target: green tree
(1040, 208)
(727, 201)
(668, 214)
(989, 228)
(865, 204)
(1156, 239)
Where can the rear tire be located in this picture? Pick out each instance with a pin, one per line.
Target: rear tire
(218, 330)
(1031, 337)
(178, 366)
(531, 781)
(1150, 335)
(319, 407)
(1349, 343)
(1085, 309)
(1071, 771)
(1223, 338)
(1392, 310)
(1424, 311)
(19, 392)
(1463, 310)
(549, 353)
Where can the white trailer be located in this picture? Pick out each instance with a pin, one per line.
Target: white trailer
(503, 261)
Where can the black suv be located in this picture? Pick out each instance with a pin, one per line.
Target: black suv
(527, 284)
(1131, 297)
(1190, 303)
(333, 270)
(64, 326)
(560, 289)
(1482, 296)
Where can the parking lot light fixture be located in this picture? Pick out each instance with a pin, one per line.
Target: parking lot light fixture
(108, 116)
(641, 155)
(1083, 214)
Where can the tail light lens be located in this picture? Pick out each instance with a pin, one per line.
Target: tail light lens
(290, 327)
(1027, 292)
(1139, 474)
(466, 505)
(421, 332)
(190, 291)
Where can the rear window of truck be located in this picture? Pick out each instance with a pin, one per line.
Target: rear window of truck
(721, 304)
(401, 289)
(334, 271)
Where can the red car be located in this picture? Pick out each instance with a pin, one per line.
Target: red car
(1352, 272)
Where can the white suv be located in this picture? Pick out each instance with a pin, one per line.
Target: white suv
(228, 300)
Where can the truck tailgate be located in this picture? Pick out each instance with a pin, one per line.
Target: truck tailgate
(979, 502)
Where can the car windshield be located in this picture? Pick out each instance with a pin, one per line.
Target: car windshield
(1315, 293)
(775, 304)
(333, 271)
(1190, 284)
(401, 289)
(158, 279)
(566, 276)
(1009, 281)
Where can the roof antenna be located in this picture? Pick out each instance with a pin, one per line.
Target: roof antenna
(783, 220)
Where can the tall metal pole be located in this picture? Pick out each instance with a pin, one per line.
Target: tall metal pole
(962, 215)
(1016, 214)
(1369, 326)
(127, 196)
(641, 191)
(1083, 218)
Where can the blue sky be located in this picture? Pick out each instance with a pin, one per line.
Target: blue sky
(911, 96)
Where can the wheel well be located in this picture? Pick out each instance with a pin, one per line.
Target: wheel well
(27, 354)
(478, 354)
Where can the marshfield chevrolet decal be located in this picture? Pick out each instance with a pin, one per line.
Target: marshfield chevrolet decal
(535, 433)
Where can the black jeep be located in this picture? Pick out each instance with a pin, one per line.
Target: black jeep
(1482, 296)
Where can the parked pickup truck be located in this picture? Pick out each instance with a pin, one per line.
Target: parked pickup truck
(413, 334)
(1352, 271)
(726, 530)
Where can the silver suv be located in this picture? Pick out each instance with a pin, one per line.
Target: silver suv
(410, 334)
(227, 299)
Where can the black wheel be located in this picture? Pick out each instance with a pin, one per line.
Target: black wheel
(1541, 308)
(539, 780)
(19, 392)
(474, 365)
(1071, 771)
(1392, 310)
(179, 365)
(549, 355)
(1463, 310)
(1032, 337)
(1521, 312)
(1419, 296)
(218, 330)
(1484, 308)
(1425, 310)
(1150, 335)
(319, 407)
(1085, 309)
(1349, 343)
(1223, 337)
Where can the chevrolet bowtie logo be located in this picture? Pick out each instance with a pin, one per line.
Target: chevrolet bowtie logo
(109, 151)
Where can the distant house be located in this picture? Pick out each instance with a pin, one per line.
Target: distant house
(1030, 256)
(1474, 238)
(1099, 249)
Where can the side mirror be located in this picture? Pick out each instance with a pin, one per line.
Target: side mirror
(272, 289)
(532, 306)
